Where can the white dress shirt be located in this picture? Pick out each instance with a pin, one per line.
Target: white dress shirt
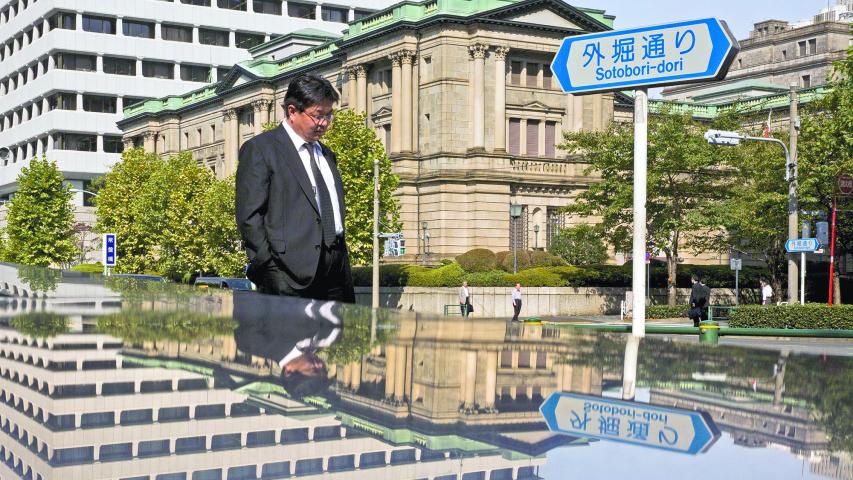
(325, 171)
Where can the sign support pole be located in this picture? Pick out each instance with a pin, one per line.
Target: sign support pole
(803, 278)
(638, 280)
(832, 250)
(737, 287)
(793, 207)
(374, 292)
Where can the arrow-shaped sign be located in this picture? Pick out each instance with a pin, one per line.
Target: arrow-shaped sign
(802, 245)
(672, 429)
(675, 53)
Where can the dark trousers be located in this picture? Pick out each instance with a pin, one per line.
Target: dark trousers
(517, 308)
(465, 308)
(333, 280)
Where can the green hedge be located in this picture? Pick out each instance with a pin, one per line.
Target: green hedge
(810, 315)
(88, 268)
(451, 275)
(477, 260)
(666, 311)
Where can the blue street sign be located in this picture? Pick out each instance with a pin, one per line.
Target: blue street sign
(802, 245)
(110, 249)
(675, 53)
(667, 428)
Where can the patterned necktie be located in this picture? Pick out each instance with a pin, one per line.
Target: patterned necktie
(327, 214)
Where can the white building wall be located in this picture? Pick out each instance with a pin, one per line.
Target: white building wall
(25, 60)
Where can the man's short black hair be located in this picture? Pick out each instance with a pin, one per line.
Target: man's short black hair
(307, 90)
(695, 277)
(298, 385)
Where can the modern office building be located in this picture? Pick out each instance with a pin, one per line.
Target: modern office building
(69, 67)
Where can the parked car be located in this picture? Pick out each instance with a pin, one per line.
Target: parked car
(224, 283)
(140, 276)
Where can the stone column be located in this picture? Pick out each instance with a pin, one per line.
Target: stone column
(396, 101)
(361, 88)
(149, 141)
(231, 140)
(356, 375)
(491, 379)
(261, 109)
(390, 369)
(127, 142)
(400, 375)
(478, 53)
(470, 378)
(265, 111)
(407, 56)
(352, 91)
(416, 84)
(500, 98)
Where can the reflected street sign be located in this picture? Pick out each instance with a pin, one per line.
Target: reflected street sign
(675, 53)
(673, 429)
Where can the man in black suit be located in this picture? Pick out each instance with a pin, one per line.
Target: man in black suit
(290, 201)
(700, 296)
(289, 332)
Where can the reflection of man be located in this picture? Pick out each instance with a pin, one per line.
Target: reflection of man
(290, 201)
(289, 332)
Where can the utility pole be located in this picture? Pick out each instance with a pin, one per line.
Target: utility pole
(793, 206)
(374, 300)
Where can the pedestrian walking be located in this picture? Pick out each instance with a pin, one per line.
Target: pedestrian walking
(516, 301)
(465, 305)
(700, 295)
(766, 292)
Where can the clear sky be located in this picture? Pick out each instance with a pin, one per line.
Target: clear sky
(739, 14)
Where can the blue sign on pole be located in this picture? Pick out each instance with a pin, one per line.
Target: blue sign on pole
(110, 249)
(673, 429)
(675, 53)
(802, 245)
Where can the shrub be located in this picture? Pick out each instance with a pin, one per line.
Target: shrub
(540, 258)
(810, 315)
(495, 278)
(667, 311)
(88, 268)
(523, 261)
(500, 259)
(444, 276)
(477, 260)
(394, 275)
(579, 245)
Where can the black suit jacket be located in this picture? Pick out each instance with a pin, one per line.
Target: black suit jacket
(270, 326)
(277, 212)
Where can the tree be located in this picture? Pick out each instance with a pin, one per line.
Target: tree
(178, 190)
(825, 150)
(123, 208)
(223, 250)
(753, 218)
(683, 181)
(579, 245)
(356, 146)
(40, 221)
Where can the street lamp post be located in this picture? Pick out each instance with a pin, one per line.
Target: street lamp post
(514, 213)
(536, 236)
(425, 240)
(720, 137)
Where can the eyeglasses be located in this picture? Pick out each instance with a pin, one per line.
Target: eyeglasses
(327, 118)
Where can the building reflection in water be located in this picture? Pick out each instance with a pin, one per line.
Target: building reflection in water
(164, 385)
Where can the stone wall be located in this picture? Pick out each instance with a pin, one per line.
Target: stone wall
(537, 301)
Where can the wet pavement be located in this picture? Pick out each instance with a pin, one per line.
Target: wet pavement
(121, 379)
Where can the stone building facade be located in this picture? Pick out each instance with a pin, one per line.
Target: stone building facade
(778, 54)
(460, 93)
